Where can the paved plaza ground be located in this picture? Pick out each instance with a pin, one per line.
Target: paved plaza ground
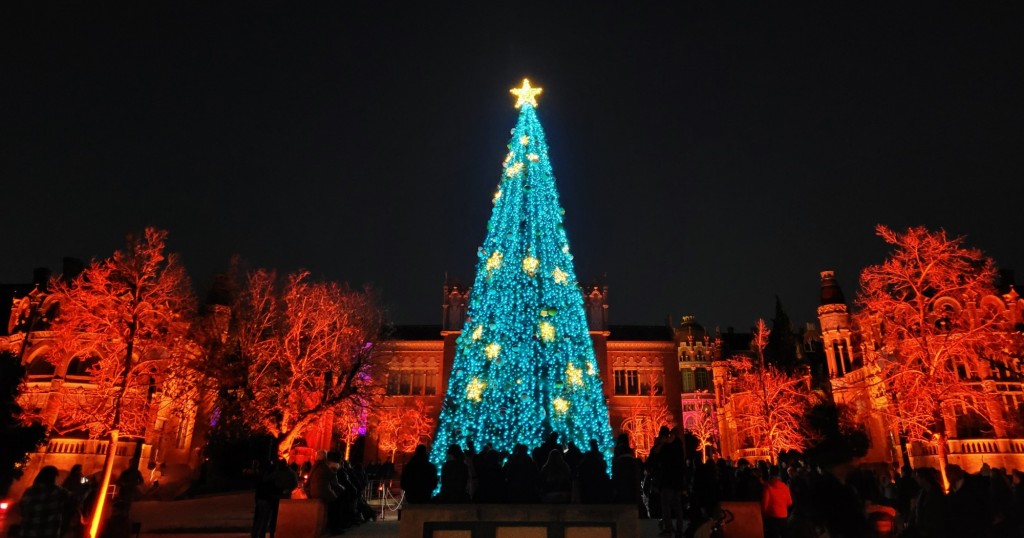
(225, 516)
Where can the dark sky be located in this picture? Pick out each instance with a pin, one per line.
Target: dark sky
(709, 156)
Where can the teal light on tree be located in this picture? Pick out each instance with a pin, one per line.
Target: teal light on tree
(524, 363)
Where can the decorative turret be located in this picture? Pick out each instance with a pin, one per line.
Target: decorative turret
(595, 305)
(454, 301)
(834, 318)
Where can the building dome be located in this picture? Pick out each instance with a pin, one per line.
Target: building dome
(689, 328)
(830, 291)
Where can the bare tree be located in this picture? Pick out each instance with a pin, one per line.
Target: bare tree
(126, 319)
(768, 404)
(400, 429)
(930, 334)
(644, 421)
(705, 430)
(303, 348)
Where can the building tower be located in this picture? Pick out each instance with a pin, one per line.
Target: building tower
(524, 364)
(834, 318)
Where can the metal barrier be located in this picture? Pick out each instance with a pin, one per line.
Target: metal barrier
(379, 493)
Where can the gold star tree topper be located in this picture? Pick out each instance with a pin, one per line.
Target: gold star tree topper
(526, 94)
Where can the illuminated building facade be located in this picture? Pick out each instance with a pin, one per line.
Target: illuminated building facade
(671, 374)
(651, 375)
(173, 433)
(851, 355)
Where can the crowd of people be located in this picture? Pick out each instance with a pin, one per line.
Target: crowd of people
(51, 510)
(798, 498)
(340, 486)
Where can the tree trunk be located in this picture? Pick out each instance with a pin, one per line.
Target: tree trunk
(940, 442)
(101, 499)
(284, 444)
(905, 450)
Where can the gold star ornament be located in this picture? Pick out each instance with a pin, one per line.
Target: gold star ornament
(530, 265)
(547, 331)
(560, 276)
(526, 94)
(494, 261)
(516, 168)
(561, 405)
(475, 389)
(573, 375)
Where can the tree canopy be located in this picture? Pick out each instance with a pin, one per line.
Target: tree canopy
(934, 330)
(126, 320)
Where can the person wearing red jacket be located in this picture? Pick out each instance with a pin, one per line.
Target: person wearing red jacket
(775, 503)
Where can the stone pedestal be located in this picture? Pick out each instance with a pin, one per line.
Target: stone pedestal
(301, 518)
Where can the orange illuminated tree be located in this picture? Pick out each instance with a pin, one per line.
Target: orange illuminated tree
(401, 429)
(127, 318)
(931, 335)
(352, 418)
(302, 348)
(643, 422)
(704, 429)
(769, 405)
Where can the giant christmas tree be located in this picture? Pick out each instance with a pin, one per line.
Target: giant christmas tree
(524, 364)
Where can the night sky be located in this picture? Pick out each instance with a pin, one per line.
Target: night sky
(709, 156)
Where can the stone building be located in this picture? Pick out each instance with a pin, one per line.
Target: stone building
(671, 374)
(652, 375)
(171, 439)
(854, 380)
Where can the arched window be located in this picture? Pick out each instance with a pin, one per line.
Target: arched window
(80, 368)
(40, 368)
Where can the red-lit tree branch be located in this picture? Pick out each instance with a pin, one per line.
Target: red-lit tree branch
(768, 404)
(127, 318)
(930, 337)
(303, 348)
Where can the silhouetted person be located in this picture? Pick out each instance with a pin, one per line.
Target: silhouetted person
(454, 477)
(837, 506)
(419, 477)
(275, 485)
(490, 481)
(592, 477)
(748, 483)
(555, 479)
(670, 472)
(572, 456)
(344, 507)
(707, 491)
(323, 485)
(78, 487)
(42, 505)
(540, 454)
(968, 502)
(626, 472)
(129, 485)
(928, 516)
(1017, 498)
(522, 478)
(906, 490)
